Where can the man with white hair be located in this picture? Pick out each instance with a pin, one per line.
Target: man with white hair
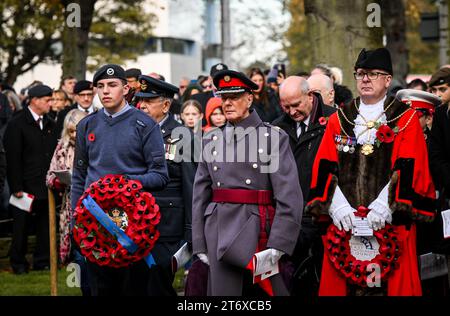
(304, 121)
(324, 86)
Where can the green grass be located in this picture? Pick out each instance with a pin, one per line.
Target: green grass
(37, 283)
(34, 283)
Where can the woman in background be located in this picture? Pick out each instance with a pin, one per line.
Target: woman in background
(191, 114)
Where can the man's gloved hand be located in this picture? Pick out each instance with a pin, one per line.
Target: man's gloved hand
(378, 216)
(203, 258)
(275, 255)
(344, 217)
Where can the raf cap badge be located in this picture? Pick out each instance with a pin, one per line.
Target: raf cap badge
(143, 85)
(110, 71)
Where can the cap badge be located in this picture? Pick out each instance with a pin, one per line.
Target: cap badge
(219, 67)
(143, 85)
(227, 78)
(110, 71)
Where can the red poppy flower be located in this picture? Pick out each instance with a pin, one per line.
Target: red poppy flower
(337, 249)
(385, 134)
(91, 137)
(323, 120)
(142, 217)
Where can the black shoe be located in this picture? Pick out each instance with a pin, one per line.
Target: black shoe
(20, 270)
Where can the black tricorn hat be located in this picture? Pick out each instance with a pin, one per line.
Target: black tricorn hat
(379, 58)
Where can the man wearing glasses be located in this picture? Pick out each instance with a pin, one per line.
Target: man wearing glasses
(373, 158)
(83, 93)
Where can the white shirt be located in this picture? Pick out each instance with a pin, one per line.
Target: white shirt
(299, 130)
(36, 117)
(372, 112)
(89, 109)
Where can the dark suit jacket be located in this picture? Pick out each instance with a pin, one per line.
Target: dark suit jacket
(29, 151)
(305, 147)
(175, 201)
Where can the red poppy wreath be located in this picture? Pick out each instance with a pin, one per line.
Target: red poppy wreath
(383, 249)
(130, 211)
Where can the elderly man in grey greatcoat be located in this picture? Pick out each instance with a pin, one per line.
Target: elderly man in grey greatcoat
(247, 196)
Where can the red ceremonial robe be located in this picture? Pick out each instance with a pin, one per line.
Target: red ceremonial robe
(403, 162)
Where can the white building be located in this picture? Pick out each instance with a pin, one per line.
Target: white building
(175, 49)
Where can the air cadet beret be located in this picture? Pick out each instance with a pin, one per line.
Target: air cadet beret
(216, 68)
(109, 71)
(133, 73)
(40, 91)
(440, 77)
(152, 87)
(379, 58)
(82, 85)
(422, 101)
(230, 81)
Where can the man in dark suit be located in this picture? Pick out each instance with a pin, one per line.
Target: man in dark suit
(83, 95)
(304, 121)
(30, 141)
(175, 201)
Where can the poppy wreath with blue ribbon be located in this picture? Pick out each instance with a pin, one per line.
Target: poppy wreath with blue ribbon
(337, 248)
(115, 222)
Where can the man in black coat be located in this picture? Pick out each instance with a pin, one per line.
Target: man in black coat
(304, 121)
(175, 201)
(30, 141)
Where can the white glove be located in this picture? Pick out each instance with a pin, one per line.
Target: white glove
(379, 214)
(275, 255)
(344, 217)
(203, 258)
(341, 212)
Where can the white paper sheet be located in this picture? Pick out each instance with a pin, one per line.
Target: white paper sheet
(262, 265)
(23, 203)
(446, 220)
(181, 257)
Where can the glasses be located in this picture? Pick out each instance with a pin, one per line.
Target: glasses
(372, 75)
(85, 95)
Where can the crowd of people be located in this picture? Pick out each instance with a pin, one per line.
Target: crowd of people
(316, 162)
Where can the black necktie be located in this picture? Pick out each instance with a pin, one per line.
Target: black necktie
(302, 129)
(39, 120)
(86, 110)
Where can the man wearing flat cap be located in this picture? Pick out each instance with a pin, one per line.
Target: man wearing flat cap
(30, 141)
(119, 139)
(175, 202)
(83, 95)
(371, 151)
(246, 200)
(440, 84)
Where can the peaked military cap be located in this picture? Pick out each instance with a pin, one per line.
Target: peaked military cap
(40, 91)
(440, 77)
(109, 71)
(82, 85)
(152, 87)
(216, 68)
(230, 81)
(379, 58)
(419, 100)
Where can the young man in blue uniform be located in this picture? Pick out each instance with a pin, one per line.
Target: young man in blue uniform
(116, 140)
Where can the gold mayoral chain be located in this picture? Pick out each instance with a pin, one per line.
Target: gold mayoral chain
(367, 148)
